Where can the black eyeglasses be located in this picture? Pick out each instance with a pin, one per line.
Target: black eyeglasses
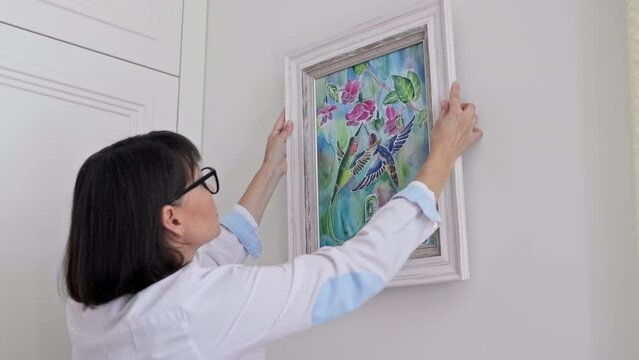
(208, 180)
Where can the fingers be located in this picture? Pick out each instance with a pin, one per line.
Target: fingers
(279, 124)
(445, 105)
(282, 128)
(477, 133)
(469, 113)
(454, 99)
(287, 131)
(469, 107)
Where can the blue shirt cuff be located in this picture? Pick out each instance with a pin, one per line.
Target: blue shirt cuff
(245, 229)
(418, 193)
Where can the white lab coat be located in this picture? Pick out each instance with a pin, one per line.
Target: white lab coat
(216, 308)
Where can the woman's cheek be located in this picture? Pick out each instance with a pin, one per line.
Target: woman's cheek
(215, 221)
(217, 230)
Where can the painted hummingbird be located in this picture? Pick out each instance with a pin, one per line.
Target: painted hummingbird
(350, 161)
(385, 161)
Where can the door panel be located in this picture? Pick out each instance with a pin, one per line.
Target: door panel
(146, 32)
(60, 103)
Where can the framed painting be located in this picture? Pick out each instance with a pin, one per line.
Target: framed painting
(364, 105)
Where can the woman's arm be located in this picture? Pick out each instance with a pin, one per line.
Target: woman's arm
(239, 237)
(246, 307)
(261, 188)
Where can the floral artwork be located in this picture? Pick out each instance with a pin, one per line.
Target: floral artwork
(372, 127)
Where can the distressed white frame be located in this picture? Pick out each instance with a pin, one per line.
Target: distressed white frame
(431, 20)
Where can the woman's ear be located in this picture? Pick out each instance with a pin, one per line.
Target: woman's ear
(172, 223)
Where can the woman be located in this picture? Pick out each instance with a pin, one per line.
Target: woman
(146, 281)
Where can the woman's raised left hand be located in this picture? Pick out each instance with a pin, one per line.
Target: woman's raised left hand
(275, 154)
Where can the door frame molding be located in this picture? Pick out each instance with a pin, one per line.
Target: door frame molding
(192, 70)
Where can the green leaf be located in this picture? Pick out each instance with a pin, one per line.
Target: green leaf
(360, 68)
(423, 116)
(332, 92)
(378, 123)
(416, 82)
(403, 88)
(391, 98)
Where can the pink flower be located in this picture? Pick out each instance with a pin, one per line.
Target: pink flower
(326, 113)
(391, 120)
(351, 90)
(361, 112)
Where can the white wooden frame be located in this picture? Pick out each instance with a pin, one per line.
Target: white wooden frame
(430, 20)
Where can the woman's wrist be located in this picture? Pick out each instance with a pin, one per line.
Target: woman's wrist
(443, 154)
(435, 171)
(260, 190)
(272, 171)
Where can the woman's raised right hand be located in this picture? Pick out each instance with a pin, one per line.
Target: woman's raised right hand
(455, 130)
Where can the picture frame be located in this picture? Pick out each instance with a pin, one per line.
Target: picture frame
(326, 89)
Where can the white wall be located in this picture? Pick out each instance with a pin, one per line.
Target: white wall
(549, 189)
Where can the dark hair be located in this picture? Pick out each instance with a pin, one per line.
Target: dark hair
(117, 244)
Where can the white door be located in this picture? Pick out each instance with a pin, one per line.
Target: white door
(145, 32)
(59, 103)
